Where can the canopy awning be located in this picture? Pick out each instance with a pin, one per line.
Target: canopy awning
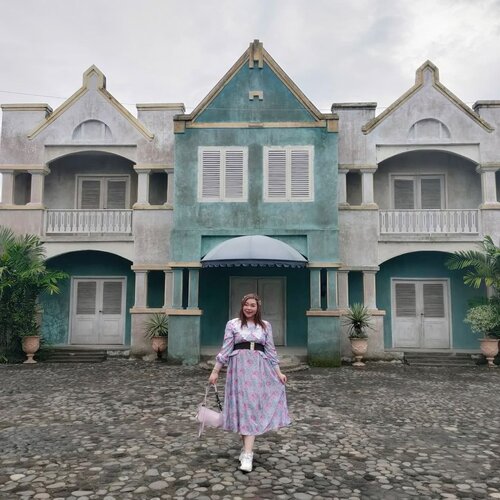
(253, 251)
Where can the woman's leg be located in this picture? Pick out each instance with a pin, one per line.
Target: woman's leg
(248, 442)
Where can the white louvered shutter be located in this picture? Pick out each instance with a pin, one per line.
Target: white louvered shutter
(116, 194)
(90, 195)
(430, 193)
(300, 174)
(434, 300)
(276, 173)
(404, 194)
(210, 174)
(86, 297)
(112, 297)
(406, 303)
(234, 173)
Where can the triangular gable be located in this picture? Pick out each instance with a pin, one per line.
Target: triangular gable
(427, 73)
(256, 58)
(93, 78)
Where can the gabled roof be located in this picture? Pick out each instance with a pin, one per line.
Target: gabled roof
(92, 78)
(256, 55)
(420, 81)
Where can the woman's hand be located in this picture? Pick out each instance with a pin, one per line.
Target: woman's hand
(213, 377)
(282, 377)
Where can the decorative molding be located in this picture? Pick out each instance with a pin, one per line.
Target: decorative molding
(428, 66)
(27, 107)
(321, 265)
(331, 313)
(169, 106)
(360, 268)
(140, 167)
(142, 206)
(21, 207)
(356, 166)
(150, 267)
(184, 312)
(191, 265)
(93, 71)
(371, 207)
(354, 105)
(42, 168)
(317, 124)
(255, 94)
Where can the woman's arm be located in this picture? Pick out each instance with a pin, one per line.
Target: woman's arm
(270, 352)
(222, 358)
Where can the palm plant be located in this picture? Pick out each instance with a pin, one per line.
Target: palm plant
(156, 326)
(23, 277)
(358, 319)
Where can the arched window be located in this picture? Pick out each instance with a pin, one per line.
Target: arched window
(428, 129)
(92, 130)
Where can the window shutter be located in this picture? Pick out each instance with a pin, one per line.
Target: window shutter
(276, 173)
(86, 297)
(430, 193)
(404, 198)
(91, 195)
(406, 305)
(210, 167)
(116, 194)
(433, 300)
(112, 297)
(300, 181)
(233, 174)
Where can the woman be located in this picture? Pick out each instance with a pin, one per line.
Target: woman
(255, 398)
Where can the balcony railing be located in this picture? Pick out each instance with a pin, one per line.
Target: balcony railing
(429, 221)
(88, 221)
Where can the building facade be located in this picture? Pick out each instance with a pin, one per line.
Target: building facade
(370, 205)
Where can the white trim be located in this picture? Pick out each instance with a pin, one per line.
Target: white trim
(79, 178)
(288, 196)
(222, 172)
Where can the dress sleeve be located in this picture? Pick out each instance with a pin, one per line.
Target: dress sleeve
(227, 346)
(269, 349)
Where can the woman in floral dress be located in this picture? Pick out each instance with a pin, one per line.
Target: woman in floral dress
(255, 397)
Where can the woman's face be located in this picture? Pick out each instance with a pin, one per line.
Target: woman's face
(250, 308)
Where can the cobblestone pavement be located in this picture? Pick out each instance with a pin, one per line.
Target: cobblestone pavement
(124, 429)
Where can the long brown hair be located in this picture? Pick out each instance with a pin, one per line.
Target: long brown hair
(257, 318)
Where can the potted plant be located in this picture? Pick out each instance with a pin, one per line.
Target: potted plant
(156, 329)
(358, 320)
(484, 319)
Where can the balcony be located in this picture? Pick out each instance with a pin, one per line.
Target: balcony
(88, 222)
(428, 222)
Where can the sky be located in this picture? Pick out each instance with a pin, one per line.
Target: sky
(177, 50)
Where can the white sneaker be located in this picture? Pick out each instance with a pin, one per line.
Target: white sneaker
(246, 462)
(240, 458)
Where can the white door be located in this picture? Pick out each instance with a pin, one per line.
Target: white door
(420, 314)
(98, 311)
(272, 293)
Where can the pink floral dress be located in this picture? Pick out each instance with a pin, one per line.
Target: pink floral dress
(255, 398)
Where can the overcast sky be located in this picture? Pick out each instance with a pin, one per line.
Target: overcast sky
(177, 50)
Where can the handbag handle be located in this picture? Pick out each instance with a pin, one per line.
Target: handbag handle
(217, 399)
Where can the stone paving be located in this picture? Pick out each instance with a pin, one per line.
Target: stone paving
(126, 430)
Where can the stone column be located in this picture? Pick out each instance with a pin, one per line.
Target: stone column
(367, 199)
(37, 186)
(315, 283)
(170, 186)
(369, 289)
(331, 290)
(488, 185)
(342, 187)
(169, 289)
(7, 187)
(343, 288)
(194, 280)
(143, 187)
(178, 285)
(141, 288)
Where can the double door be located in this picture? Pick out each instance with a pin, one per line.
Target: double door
(98, 311)
(272, 293)
(420, 312)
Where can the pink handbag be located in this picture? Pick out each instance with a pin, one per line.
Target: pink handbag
(206, 416)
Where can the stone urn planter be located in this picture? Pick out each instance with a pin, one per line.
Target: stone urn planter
(30, 345)
(358, 348)
(156, 329)
(489, 347)
(159, 345)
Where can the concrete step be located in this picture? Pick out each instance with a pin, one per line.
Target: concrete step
(75, 356)
(442, 359)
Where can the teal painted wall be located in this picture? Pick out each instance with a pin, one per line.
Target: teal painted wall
(55, 325)
(156, 288)
(323, 344)
(214, 301)
(428, 265)
(184, 348)
(233, 104)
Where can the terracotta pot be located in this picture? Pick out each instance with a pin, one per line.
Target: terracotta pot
(159, 345)
(31, 344)
(359, 348)
(489, 347)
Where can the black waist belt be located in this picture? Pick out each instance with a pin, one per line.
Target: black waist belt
(253, 346)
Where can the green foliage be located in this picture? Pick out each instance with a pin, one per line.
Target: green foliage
(156, 326)
(481, 266)
(358, 319)
(23, 277)
(483, 319)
